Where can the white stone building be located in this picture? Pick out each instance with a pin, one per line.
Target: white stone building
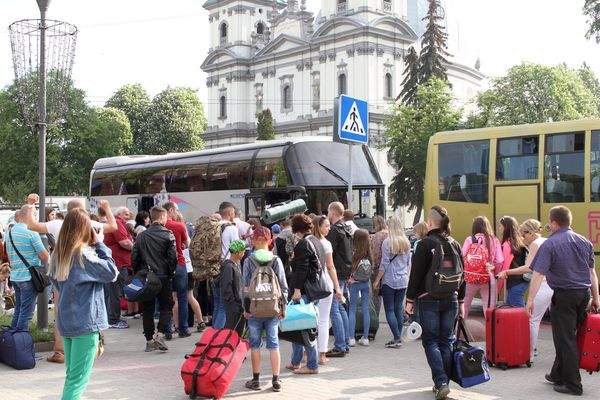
(274, 54)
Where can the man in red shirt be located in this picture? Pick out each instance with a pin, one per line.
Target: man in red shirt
(180, 280)
(120, 243)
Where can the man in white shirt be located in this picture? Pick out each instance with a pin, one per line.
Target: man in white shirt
(244, 228)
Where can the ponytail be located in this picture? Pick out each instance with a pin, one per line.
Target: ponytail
(439, 216)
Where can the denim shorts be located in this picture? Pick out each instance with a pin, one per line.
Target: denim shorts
(271, 326)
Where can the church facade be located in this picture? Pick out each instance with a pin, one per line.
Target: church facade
(275, 54)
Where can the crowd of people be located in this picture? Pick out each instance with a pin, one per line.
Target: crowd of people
(92, 257)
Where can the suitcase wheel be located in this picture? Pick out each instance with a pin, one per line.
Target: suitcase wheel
(503, 366)
(528, 363)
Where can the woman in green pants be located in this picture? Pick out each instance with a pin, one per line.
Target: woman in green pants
(80, 265)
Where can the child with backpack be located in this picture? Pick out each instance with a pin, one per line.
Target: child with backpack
(483, 258)
(232, 287)
(265, 295)
(362, 262)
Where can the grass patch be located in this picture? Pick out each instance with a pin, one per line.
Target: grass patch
(38, 336)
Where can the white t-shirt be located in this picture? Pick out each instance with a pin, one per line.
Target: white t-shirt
(327, 248)
(242, 227)
(53, 228)
(188, 260)
(229, 234)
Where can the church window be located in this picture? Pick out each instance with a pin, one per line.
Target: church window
(342, 87)
(287, 93)
(388, 85)
(223, 107)
(287, 97)
(223, 32)
(260, 28)
(387, 5)
(341, 6)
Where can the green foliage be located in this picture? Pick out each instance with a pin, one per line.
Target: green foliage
(432, 58)
(591, 9)
(38, 336)
(411, 77)
(134, 101)
(264, 127)
(408, 130)
(531, 93)
(590, 81)
(174, 122)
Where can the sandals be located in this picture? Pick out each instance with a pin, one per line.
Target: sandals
(306, 371)
(57, 357)
(201, 326)
(292, 367)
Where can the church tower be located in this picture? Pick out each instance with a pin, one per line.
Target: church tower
(367, 10)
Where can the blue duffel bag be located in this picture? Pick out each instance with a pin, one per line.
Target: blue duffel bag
(469, 365)
(16, 348)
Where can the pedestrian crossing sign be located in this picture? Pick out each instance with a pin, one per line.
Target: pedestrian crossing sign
(353, 120)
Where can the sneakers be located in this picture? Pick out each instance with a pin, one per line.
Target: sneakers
(352, 342)
(169, 336)
(133, 315)
(121, 324)
(185, 334)
(255, 385)
(160, 341)
(277, 385)
(363, 341)
(393, 344)
(335, 353)
(151, 346)
(442, 392)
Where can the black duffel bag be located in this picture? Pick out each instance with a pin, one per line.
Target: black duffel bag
(143, 286)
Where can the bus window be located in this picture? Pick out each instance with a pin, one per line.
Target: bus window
(517, 159)
(128, 182)
(563, 168)
(191, 178)
(102, 184)
(269, 170)
(464, 171)
(595, 166)
(154, 181)
(230, 171)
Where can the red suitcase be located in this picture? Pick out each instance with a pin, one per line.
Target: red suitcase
(588, 343)
(507, 336)
(210, 369)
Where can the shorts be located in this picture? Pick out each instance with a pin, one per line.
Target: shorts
(255, 328)
(191, 282)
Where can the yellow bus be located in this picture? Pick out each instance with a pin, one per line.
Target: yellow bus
(521, 171)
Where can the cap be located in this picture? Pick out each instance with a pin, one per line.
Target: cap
(261, 234)
(262, 256)
(276, 228)
(236, 246)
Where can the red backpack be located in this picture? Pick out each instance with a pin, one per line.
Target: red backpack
(476, 258)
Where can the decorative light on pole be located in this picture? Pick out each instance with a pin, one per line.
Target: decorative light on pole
(43, 52)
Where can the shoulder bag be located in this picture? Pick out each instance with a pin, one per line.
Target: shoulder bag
(39, 279)
(316, 286)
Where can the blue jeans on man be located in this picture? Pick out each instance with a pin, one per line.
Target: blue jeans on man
(437, 320)
(516, 294)
(25, 299)
(180, 286)
(363, 289)
(393, 304)
(218, 317)
(340, 323)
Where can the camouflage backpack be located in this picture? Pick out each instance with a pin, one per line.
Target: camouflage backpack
(290, 243)
(205, 248)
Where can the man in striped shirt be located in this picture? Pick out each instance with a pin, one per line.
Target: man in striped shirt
(29, 245)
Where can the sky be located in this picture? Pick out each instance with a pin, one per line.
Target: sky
(158, 43)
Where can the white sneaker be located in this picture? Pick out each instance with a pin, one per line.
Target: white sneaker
(363, 341)
(352, 342)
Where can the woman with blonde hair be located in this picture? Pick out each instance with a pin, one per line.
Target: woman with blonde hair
(381, 233)
(393, 278)
(79, 267)
(530, 231)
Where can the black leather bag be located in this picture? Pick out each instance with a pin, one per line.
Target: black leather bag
(316, 287)
(39, 279)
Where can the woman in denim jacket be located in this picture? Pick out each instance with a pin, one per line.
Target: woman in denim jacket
(79, 267)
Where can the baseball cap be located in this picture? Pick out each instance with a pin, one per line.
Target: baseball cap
(276, 228)
(236, 246)
(261, 234)
(262, 256)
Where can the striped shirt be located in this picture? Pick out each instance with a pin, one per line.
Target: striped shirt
(29, 244)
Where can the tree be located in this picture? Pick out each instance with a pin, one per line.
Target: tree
(408, 131)
(591, 9)
(265, 128)
(134, 101)
(531, 93)
(433, 51)
(174, 123)
(590, 81)
(411, 77)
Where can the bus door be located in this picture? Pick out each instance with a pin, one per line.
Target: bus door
(146, 203)
(253, 205)
(519, 201)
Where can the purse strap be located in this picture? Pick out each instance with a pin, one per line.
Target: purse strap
(17, 250)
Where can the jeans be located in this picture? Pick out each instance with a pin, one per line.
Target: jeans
(165, 302)
(393, 304)
(363, 289)
(80, 353)
(437, 320)
(340, 323)
(311, 355)
(112, 296)
(25, 298)
(516, 295)
(218, 317)
(180, 285)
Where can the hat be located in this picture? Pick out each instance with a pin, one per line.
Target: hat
(261, 234)
(236, 246)
(276, 228)
(262, 256)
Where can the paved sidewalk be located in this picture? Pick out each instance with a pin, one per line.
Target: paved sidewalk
(127, 372)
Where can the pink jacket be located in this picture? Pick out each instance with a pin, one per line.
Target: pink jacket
(496, 256)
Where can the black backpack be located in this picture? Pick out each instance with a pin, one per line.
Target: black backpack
(446, 274)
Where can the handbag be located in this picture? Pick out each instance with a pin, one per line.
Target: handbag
(143, 286)
(469, 364)
(299, 316)
(307, 337)
(39, 279)
(316, 286)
